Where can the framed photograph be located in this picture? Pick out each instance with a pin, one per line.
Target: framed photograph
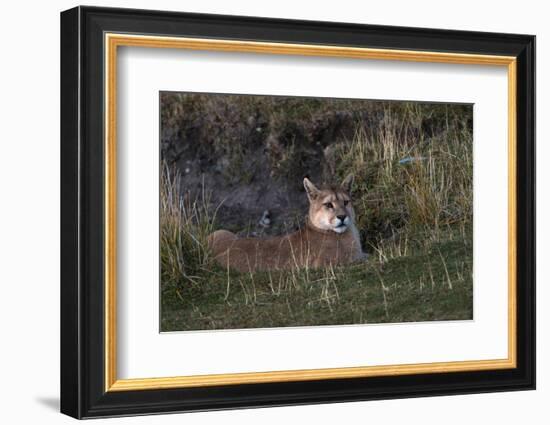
(261, 212)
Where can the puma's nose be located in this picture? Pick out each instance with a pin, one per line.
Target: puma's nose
(341, 217)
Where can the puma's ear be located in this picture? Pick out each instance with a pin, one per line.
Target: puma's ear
(311, 190)
(347, 183)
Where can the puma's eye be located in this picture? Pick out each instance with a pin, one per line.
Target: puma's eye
(346, 203)
(329, 205)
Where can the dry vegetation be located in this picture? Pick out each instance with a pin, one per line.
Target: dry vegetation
(412, 197)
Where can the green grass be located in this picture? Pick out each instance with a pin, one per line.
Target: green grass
(412, 197)
(434, 283)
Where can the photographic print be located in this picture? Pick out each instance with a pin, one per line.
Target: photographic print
(302, 211)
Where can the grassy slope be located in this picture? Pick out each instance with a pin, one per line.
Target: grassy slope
(435, 283)
(414, 216)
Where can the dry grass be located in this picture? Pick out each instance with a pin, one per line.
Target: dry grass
(185, 224)
(407, 189)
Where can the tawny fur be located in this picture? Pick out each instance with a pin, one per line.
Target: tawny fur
(325, 240)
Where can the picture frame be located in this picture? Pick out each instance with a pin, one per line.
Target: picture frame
(90, 40)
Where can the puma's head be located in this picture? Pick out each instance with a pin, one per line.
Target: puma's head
(330, 208)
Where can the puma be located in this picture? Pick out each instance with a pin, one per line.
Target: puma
(329, 237)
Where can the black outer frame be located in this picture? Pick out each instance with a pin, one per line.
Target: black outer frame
(82, 218)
